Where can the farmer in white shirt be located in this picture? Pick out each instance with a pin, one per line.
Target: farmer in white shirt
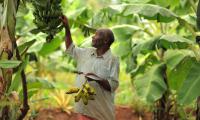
(100, 62)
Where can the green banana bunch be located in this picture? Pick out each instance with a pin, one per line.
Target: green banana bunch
(86, 93)
(47, 13)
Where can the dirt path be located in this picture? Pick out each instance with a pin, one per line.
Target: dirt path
(122, 113)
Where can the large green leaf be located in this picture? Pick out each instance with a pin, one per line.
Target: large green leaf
(152, 12)
(39, 83)
(25, 45)
(174, 41)
(17, 80)
(30, 93)
(148, 11)
(175, 38)
(189, 91)
(9, 63)
(145, 47)
(144, 61)
(50, 47)
(174, 57)
(163, 3)
(36, 84)
(124, 32)
(36, 47)
(81, 14)
(150, 86)
(178, 63)
(177, 75)
(122, 48)
(167, 3)
(130, 63)
(164, 41)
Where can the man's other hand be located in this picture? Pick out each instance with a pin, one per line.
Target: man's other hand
(92, 77)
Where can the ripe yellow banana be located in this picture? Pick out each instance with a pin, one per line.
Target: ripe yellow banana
(78, 96)
(84, 99)
(91, 91)
(72, 90)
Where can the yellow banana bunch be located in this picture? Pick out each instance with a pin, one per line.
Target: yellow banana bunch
(86, 93)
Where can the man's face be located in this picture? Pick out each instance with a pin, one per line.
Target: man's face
(98, 40)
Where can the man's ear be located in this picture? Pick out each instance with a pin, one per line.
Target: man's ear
(106, 41)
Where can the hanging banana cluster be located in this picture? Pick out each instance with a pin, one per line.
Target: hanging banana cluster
(47, 13)
(86, 93)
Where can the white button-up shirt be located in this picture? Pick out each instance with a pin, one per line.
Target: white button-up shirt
(106, 67)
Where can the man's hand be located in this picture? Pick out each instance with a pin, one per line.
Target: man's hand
(102, 82)
(64, 20)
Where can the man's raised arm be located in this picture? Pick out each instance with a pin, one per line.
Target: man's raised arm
(68, 38)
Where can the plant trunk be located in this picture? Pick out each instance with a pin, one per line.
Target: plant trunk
(160, 112)
(164, 105)
(8, 10)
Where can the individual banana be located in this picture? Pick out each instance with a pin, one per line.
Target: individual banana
(86, 86)
(84, 98)
(85, 92)
(72, 90)
(91, 91)
(78, 96)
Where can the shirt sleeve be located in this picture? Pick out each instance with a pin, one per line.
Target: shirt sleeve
(75, 51)
(114, 76)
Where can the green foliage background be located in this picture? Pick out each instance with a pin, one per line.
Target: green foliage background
(142, 28)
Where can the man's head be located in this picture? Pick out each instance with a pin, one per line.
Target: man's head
(103, 37)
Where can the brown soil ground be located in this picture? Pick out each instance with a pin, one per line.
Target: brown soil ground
(122, 113)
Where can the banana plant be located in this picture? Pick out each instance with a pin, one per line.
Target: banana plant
(160, 67)
(164, 69)
(7, 37)
(197, 40)
(10, 64)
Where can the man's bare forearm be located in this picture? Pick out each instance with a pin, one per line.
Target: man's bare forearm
(105, 84)
(68, 38)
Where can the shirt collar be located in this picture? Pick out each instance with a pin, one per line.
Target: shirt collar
(105, 55)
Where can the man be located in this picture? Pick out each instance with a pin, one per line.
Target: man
(100, 62)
